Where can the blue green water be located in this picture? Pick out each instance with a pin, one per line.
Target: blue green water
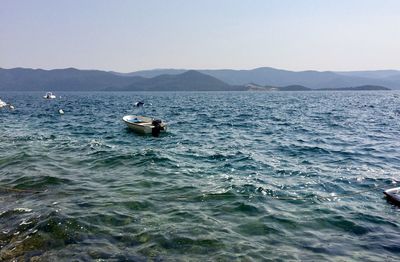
(238, 176)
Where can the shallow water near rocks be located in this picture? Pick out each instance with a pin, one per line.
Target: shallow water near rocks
(238, 176)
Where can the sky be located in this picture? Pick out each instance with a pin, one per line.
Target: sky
(130, 35)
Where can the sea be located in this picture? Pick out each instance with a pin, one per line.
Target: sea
(239, 176)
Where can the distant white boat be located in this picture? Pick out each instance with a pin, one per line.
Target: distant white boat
(49, 95)
(145, 125)
(2, 104)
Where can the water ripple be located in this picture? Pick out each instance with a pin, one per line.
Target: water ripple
(239, 176)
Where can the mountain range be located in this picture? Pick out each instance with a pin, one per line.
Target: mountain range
(71, 79)
(190, 80)
(277, 77)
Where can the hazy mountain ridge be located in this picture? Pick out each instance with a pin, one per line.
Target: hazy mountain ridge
(187, 81)
(278, 77)
(357, 88)
(70, 79)
(376, 74)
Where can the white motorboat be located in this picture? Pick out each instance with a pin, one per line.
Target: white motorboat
(49, 95)
(145, 125)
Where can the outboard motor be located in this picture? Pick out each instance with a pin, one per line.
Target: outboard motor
(157, 127)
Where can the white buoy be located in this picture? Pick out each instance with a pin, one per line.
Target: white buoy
(12, 107)
(61, 112)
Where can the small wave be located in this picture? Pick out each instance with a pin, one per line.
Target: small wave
(137, 205)
(113, 159)
(38, 182)
(257, 228)
(95, 144)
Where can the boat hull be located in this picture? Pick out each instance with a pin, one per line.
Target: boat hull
(393, 195)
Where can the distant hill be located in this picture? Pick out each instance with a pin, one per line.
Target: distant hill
(294, 88)
(154, 72)
(188, 81)
(357, 88)
(376, 74)
(254, 87)
(261, 79)
(70, 79)
(277, 77)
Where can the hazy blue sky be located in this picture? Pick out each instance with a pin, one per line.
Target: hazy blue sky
(240, 34)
